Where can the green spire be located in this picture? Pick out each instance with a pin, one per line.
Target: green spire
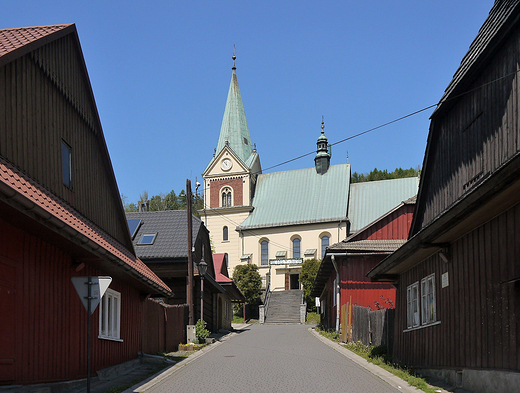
(234, 128)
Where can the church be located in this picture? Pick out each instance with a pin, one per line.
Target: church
(277, 220)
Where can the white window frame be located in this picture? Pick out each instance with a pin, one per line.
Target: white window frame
(110, 316)
(428, 306)
(412, 305)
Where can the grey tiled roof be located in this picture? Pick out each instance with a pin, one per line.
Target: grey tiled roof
(171, 227)
(368, 245)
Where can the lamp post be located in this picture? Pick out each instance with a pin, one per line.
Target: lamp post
(203, 268)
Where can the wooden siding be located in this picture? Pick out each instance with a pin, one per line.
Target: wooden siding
(357, 289)
(45, 98)
(164, 327)
(49, 321)
(394, 226)
(473, 135)
(478, 311)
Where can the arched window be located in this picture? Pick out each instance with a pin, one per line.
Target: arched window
(264, 252)
(225, 233)
(324, 245)
(296, 247)
(226, 197)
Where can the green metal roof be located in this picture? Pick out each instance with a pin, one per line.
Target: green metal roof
(234, 128)
(300, 197)
(370, 200)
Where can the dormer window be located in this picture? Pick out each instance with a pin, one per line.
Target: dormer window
(226, 197)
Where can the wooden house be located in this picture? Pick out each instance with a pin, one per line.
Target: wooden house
(341, 278)
(60, 217)
(458, 275)
(232, 293)
(160, 239)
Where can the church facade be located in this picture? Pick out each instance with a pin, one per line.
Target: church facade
(277, 220)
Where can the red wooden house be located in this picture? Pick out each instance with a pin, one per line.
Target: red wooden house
(60, 216)
(341, 278)
(458, 276)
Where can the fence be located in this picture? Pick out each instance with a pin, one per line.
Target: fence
(163, 326)
(370, 327)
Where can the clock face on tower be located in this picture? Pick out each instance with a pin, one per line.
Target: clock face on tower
(226, 164)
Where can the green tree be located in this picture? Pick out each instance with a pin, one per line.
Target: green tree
(307, 276)
(249, 282)
(377, 174)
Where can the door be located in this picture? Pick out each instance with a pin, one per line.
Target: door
(295, 281)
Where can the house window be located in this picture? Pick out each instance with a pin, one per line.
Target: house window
(225, 234)
(412, 305)
(147, 238)
(110, 315)
(324, 245)
(226, 197)
(264, 248)
(296, 248)
(66, 164)
(428, 300)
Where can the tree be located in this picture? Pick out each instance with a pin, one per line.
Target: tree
(249, 282)
(307, 276)
(377, 174)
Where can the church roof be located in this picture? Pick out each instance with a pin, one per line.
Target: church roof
(370, 200)
(234, 128)
(299, 197)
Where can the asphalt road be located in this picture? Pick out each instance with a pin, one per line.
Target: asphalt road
(271, 358)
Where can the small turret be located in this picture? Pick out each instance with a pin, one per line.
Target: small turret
(322, 159)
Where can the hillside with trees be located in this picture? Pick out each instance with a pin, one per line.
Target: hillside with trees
(160, 202)
(377, 174)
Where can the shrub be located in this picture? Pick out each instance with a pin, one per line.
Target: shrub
(200, 331)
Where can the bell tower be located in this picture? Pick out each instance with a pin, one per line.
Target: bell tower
(322, 159)
(230, 177)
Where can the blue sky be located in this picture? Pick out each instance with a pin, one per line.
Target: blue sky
(160, 71)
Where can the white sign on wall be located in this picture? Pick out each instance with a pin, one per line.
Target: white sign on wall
(445, 280)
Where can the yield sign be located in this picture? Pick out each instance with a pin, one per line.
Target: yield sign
(99, 286)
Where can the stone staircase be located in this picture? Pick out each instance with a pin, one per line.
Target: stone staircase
(284, 306)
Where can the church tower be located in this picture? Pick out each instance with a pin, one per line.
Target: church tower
(230, 177)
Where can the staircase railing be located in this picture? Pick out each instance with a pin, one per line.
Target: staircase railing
(263, 308)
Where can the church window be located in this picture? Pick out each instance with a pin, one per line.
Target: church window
(225, 234)
(324, 245)
(264, 252)
(296, 247)
(226, 197)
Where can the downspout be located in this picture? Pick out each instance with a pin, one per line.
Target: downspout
(336, 291)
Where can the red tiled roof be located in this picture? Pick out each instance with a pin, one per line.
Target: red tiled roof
(218, 262)
(21, 184)
(12, 39)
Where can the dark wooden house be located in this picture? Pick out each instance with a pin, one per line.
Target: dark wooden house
(458, 276)
(60, 217)
(161, 242)
(341, 278)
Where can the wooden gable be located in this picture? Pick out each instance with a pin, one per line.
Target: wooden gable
(47, 103)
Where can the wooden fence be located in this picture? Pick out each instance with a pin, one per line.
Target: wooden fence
(163, 326)
(367, 326)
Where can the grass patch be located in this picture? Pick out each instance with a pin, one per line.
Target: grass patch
(313, 318)
(237, 319)
(379, 357)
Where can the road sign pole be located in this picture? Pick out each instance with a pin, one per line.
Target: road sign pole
(89, 298)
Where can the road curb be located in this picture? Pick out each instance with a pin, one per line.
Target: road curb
(150, 382)
(398, 383)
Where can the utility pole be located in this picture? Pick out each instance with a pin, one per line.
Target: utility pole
(189, 287)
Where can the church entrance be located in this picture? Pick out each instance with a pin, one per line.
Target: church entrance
(295, 281)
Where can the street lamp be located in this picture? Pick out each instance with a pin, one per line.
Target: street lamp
(203, 268)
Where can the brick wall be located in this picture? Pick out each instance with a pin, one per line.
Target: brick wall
(235, 184)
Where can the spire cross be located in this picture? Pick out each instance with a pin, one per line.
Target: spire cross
(234, 57)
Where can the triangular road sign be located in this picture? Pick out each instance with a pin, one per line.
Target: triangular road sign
(99, 287)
